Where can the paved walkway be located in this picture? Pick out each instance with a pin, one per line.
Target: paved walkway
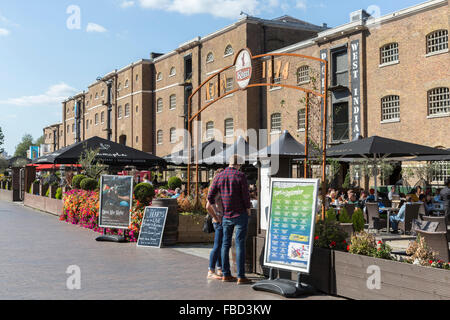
(36, 250)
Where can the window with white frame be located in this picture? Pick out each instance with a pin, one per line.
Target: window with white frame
(137, 109)
(173, 72)
(102, 117)
(73, 127)
(68, 128)
(96, 95)
(228, 50)
(103, 93)
(390, 108)
(441, 171)
(229, 84)
(96, 119)
(127, 110)
(173, 136)
(119, 112)
(126, 83)
(159, 105)
(438, 101)
(389, 53)
(275, 122)
(137, 79)
(301, 119)
(159, 137)
(159, 77)
(173, 102)
(437, 41)
(209, 57)
(209, 130)
(303, 74)
(87, 124)
(229, 127)
(119, 86)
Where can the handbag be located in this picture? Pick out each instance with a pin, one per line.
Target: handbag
(208, 226)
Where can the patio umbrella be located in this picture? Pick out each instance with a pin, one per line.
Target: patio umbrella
(240, 147)
(378, 148)
(110, 153)
(432, 158)
(207, 149)
(286, 145)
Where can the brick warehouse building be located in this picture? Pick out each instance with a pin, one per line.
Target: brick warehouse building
(388, 77)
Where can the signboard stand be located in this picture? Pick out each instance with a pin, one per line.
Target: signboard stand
(110, 238)
(290, 234)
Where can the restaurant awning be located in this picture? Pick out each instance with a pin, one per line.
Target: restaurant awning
(206, 150)
(241, 147)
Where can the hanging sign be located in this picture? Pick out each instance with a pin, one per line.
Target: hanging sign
(243, 69)
(292, 213)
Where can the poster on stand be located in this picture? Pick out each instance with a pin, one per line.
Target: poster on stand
(291, 220)
(116, 200)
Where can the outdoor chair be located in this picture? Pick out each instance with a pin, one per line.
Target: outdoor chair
(350, 209)
(396, 203)
(437, 241)
(442, 226)
(411, 213)
(373, 217)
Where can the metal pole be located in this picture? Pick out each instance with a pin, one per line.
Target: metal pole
(189, 145)
(324, 141)
(306, 137)
(108, 103)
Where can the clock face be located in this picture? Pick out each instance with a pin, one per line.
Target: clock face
(243, 69)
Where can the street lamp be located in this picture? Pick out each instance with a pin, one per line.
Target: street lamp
(108, 83)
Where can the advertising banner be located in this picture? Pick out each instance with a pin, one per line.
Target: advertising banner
(292, 213)
(34, 152)
(116, 200)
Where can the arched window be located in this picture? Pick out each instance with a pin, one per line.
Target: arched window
(228, 50)
(103, 93)
(102, 117)
(301, 119)
(209, 57)
(119, 112)
(173, 136)
(229, 127)
(438, 101)
(159, 105)
(96, 119)
(173, 72)
(390, 108)
(159, 77)
(437, 41)
(389, 53)
(96, 95)
(137, 109)
(303, 74)
(127, 110)
(275, 122)
(209, 130)
(173, 102)
(126, 83)
(159, 137)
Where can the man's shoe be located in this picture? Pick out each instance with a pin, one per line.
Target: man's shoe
(213, 276)
(244, 281)
(228, 279)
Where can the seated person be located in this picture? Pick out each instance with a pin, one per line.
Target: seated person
(177, 193)
(392, 193)
(352, 199)
(371, 197)
(437, 196)
(429, 206)
(413, 195)
(400, 216)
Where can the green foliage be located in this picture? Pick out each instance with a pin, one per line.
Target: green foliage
(364, 243)
(329, 235)
(76, 181)
(346, 184)
(344, 217)
(58, 194)
(24, 146)
(330, 215)
(144, 192)
(89, 184)
(31, 189)
(92, 167)
(174, 183)
(47, 193)
(358, 220)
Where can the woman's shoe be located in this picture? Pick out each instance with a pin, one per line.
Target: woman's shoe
(213, 276)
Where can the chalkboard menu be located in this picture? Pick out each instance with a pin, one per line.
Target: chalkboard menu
(152, 227)
(291, 219)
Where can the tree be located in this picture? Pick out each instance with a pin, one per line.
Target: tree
(24, 146)
(39, 141)
(91, 167)
(2, 138)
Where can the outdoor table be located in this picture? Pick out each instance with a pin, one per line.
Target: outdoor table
(389, 210)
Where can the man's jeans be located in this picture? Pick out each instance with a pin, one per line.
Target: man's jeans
(394, 220)
(241, 224)
(215, 255)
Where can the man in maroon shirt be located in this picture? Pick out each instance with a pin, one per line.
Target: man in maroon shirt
(233, 188)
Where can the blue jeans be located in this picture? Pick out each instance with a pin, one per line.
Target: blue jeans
(394, 222)
(241, 224)
(215, 258)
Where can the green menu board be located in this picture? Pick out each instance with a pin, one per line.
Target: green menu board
(292, 212)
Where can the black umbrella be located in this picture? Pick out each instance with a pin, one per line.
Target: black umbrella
(207, 149)
(376, 148)
(110, 153)
(286, 145)
(432, 158)
(241, 147)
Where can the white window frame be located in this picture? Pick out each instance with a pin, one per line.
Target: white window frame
(442, 172)
(230, 50)
(437, 41)
(438, 98)
(96, 119)
(389, 54)
(229, 84)
(390, 108)
(102, 117)
(226, 131)
(119, 112)
(159, 107)
(209, 57)
(127, 107)
(159, 76)
(209, 130)
(172, 103)
(173, 135)
(159, 137)
(172, 72)
(301, 119)
(303, 75)
(275, 116)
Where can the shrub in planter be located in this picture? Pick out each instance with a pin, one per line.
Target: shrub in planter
(89, 184)
(330, 215)
(58, 194)
(344, 217)
(47, 193)
(419, 252)
(76, 181)
(363, 243)
(144, 193)
(174, 183)
(358, 220)
(329, 235)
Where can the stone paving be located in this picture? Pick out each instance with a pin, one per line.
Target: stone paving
(36, 250)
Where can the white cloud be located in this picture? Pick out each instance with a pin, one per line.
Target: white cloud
(4, 32)
(218, 8)
(127, 4)
(54, 95)
(301, 4)
(93, 27)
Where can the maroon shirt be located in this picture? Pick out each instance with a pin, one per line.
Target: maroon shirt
(233, 187)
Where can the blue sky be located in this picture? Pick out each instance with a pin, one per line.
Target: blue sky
(46, 55)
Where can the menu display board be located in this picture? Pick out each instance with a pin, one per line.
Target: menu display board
(116, 199)
(292, 213)
(152, 227)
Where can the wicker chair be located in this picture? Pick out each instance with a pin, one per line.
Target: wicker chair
(411, 213)
(373, 217)
(396, 203)
(442, 226)
(437, 241)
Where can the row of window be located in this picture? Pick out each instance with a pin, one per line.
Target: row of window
(438, 104)
(172, 103)
(436, 41)
(275, 121)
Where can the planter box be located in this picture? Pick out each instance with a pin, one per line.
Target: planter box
(190, 230)
(35, 188)
(6, 195)
(45, 204)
